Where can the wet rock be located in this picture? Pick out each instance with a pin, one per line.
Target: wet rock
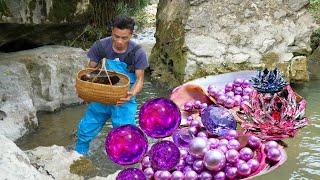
(15, 164)
(40, 79)
(54, 161)
(315, 56)
(299, 69)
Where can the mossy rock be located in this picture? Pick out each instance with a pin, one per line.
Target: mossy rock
(315, 56)
(315, 39)
(83, 167)
(270, 59)
(214, 69)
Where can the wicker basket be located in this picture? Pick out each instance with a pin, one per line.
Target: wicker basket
(103, 93)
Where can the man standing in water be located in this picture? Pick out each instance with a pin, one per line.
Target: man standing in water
(124, 56)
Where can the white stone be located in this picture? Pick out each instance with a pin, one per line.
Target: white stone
(204, 46)
(55, 160)
(14, 163)
(34, 80)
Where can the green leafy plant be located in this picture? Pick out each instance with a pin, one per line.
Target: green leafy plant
(4, 8)
(315, 39)
(314, 8)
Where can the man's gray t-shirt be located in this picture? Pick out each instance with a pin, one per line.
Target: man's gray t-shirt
(140, 61)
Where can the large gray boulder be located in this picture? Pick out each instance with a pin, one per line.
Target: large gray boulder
(35, 80)
(15, 164)
(202, 37)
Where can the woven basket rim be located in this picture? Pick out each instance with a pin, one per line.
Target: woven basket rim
(104, 85)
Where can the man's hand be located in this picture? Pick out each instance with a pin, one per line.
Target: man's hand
(125, 99)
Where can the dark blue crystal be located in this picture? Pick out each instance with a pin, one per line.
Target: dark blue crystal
(269, 81)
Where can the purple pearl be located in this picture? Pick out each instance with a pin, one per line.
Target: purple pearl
(193, 130)
(177, 175)
(233, 144)
(213, 143)
(223, 142)
(254, 142)
(146, 161)
(271, 144)
(274, 154)
(229, 103)
(188, 106)
(165, 175)
(245, 98)
(183, 153)
(197, 165)
(230, 95)
(247, 91)
(197, 104)
(246, 83)
(204, 105)
(221, 99)
(157, 175)
(214, 160)
(246, 154)
(197, 146)
(238, 91)
(205, 175)
(228, 87)
(232, 156)
(223, 148)
(189, 159)
(253, 164)
(231, 172)
(231, 134)
(240, 161)
(186, 169)
(180, 164)
(190, 175)
(220, 176)
(219, 93)
(238, 82)
(244, 169)
(148, 172)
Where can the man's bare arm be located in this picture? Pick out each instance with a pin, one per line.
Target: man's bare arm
(137, 87)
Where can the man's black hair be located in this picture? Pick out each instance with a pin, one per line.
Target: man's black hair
(123, 22)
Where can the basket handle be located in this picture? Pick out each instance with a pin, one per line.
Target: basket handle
(103, 67)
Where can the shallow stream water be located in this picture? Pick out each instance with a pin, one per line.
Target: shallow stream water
(303, 150)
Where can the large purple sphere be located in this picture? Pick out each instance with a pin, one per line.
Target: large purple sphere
(164, 155)
(126, 145)
(218, 120)
(131, 174)
(159, 117)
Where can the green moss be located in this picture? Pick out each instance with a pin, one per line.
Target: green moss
(315, 39)
(4, 10)
(83, 167)
(32, 5)
(314, 8)
(168, 56)
(62, 10)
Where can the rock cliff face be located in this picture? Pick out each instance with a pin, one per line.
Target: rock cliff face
(41, 11)
(41, 79)
(202, 37)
